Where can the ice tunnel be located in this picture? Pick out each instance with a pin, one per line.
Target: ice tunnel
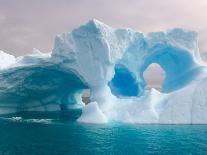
(41, 88)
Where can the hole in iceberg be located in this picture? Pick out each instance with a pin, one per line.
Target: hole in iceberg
(154, 76)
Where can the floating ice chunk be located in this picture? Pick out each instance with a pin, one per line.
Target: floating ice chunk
(92, 114)
(20, 120)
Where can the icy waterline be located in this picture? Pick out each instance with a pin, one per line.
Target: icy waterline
(111, 63)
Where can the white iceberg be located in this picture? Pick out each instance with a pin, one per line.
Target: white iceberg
(110, 62)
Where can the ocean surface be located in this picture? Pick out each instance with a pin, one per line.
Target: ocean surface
(58, 134)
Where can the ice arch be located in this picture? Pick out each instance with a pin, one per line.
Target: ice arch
(178, 65)
(175, 51)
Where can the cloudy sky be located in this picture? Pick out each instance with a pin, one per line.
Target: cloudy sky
(25, 24)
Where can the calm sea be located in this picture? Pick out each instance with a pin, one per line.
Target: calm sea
(58, 134)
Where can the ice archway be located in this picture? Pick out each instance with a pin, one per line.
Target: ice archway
(175, 51)
(178, 65)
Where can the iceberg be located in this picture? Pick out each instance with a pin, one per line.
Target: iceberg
(111, 63)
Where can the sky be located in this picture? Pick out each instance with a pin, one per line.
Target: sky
(27, 24)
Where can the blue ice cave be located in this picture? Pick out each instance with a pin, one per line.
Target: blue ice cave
(38, 87)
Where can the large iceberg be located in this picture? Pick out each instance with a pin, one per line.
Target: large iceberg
(111, 63)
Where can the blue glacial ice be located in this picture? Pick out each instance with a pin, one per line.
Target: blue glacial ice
(111, 63)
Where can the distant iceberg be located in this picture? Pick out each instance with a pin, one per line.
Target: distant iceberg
(110, 62)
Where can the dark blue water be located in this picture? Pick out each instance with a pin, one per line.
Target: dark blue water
(59, 136)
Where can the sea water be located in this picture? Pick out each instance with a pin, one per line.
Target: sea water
(28, 134)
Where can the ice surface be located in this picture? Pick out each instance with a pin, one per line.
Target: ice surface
(6, 60)
(111, 63)
(92, 114)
